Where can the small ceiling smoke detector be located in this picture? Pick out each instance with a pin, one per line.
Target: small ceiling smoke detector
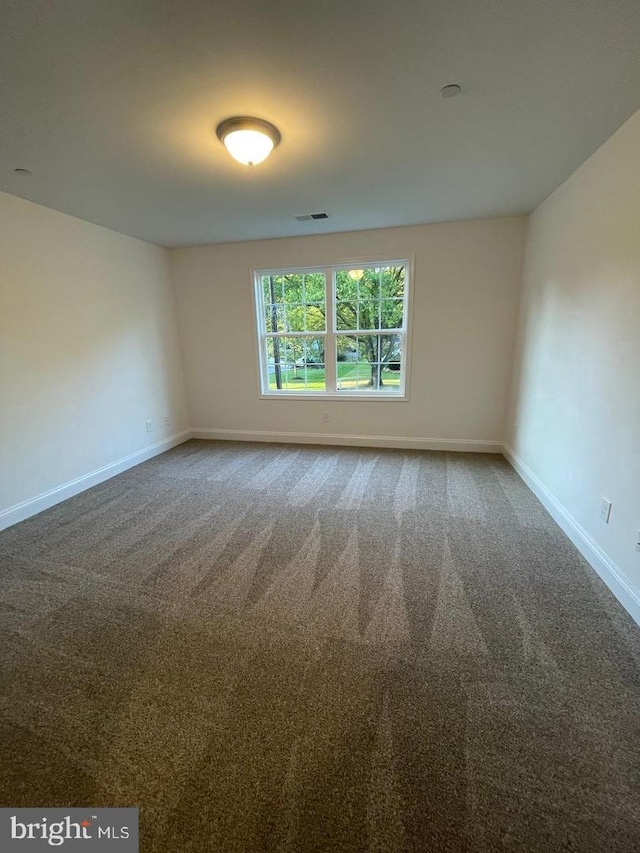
(450, 91)
(26, 172)
(248, 140)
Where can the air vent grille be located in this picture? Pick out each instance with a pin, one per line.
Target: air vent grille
(307, 216)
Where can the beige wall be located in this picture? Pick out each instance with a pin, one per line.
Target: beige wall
(465, 292)
(575, 411)
(88, 351)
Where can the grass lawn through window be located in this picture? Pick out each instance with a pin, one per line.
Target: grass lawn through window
(351, 377)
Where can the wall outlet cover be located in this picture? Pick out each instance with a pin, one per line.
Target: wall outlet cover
(605, 510)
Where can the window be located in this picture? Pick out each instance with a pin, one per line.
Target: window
(337, 330)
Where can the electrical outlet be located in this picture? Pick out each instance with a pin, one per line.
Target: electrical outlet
(638, 542)
(148, 426)
(325, 417)
(166, 421)
(605, 510)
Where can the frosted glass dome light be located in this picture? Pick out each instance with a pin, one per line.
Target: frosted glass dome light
(248, 140)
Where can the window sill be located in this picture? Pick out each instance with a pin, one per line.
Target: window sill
(385, 396)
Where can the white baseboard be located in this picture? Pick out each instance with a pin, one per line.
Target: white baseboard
(613, 577)
(404, 442)
(33, 506)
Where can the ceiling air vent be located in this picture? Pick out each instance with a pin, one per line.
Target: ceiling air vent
(307, 216)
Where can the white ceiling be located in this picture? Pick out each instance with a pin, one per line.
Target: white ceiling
(113, 105)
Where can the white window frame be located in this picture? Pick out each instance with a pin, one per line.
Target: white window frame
(331, 333)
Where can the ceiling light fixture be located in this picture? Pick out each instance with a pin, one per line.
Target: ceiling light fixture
(248, 140)
(26, 172)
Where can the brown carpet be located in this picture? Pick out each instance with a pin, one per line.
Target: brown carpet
(272, 648)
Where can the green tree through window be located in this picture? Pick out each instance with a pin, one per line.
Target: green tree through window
(335, 330)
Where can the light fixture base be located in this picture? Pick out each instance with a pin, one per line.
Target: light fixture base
(248, 123)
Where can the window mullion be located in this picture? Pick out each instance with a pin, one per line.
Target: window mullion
(263, 356)
(330, 337)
